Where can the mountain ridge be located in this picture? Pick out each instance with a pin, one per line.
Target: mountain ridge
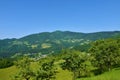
(62, 31)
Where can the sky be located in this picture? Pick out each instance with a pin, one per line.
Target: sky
(19, 18)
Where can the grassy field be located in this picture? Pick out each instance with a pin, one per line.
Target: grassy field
(6, 74)
(112, 75)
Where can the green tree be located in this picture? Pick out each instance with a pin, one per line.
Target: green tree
(75, 62)
(47, 69)
(106, 54)
(25, 72)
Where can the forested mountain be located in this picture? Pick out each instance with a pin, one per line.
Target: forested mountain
(50, 42)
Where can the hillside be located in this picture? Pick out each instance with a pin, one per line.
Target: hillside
(50, 42)
(8, 73)
(112, 75)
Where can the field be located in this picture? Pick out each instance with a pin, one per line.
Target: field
(6, 74)
(112, 75)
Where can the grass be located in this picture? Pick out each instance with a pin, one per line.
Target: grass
(7, 73)
(112, 75)
(63, 75)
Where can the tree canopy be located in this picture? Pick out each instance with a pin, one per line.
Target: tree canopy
(106, 54)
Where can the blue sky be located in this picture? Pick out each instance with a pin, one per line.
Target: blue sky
(19, 18)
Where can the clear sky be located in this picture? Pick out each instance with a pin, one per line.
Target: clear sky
(19, 18)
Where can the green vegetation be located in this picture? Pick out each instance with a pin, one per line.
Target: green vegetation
(47, 70)
(98, 61)
(4, 63)
(106, 54)
(24, 71)
(111, 75)
(78, 63)
(52, 42)
(7, 73)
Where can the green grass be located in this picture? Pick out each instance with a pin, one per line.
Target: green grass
(7, 73)
(63, 75)
(112, 75)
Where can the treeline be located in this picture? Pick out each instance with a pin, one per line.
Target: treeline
(103, 55)
(5, 62)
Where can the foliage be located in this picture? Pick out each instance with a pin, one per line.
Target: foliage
(4, 62)
(106, 54)
(25, 71)
(111, 75)
(82, 48)
(47, 70)
(76, 62)
(5, 74)
(57, 41)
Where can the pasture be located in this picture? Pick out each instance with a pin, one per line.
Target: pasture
(7, 73)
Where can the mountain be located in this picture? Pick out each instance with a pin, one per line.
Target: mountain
(50, 42)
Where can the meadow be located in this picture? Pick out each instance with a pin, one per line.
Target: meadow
(7, 73)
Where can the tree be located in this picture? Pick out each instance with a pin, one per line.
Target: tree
(76, 63)
(47, 70)
(25, 71)
(106, 54)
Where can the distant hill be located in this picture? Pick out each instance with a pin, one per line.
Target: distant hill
(50, 42)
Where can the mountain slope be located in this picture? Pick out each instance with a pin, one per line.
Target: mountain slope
(50, 42)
